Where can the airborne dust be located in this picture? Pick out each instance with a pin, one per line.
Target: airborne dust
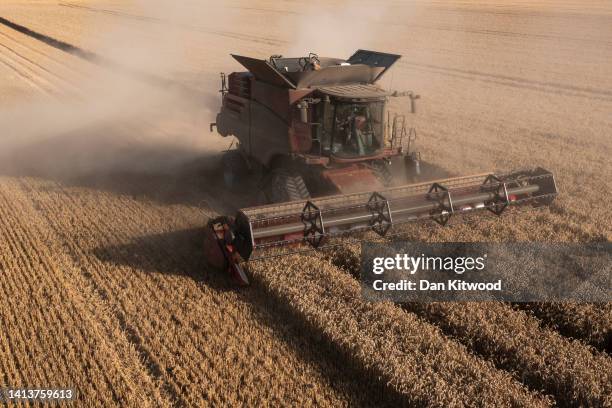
(150, 111)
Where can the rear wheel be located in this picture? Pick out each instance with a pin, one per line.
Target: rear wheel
(235, 169)
(285, 185)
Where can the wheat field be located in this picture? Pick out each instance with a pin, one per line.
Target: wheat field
(108, 174)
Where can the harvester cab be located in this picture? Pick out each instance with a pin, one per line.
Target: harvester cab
(317, 135)
(312, 126)
(350, 129)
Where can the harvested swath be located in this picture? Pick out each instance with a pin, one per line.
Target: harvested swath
(540, 357)
(185, 330)
(537, 126)
(591, 323)
(56, 332)
(416, 361)
(516, 342)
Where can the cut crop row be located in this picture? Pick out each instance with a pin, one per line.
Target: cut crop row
(205, 341)
(419, 364)
(590, 323)
(56, 327)
(516, 342)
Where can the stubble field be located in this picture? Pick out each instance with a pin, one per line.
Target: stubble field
(108, 174)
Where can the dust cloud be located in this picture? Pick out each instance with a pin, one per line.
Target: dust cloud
(142, 113)
(339, 29)
(334, 30)
(133, 116)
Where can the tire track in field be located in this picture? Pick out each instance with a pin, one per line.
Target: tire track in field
(501, 33)
(100, 60)
(25, 61)
(13, 54)
(25, 76)
(265, 10)
(503, 11)
(38, 51)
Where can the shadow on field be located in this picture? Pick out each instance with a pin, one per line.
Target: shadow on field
(171, 167)
(180, 253)
(197, 182)
(163, 175)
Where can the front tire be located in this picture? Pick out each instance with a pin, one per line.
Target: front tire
(285, 186)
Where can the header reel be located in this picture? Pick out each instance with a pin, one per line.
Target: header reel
(255, 233)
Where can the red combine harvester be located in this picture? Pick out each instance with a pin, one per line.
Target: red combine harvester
(319, 127)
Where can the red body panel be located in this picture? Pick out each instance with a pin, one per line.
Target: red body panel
(352, 179)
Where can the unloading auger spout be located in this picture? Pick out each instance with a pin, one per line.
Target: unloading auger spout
(258, 232)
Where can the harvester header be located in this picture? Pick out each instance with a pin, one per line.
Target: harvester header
(258, 232)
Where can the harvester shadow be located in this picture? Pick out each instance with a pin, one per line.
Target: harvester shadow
(161, 175)
(109, 158)
(198, 183)
(195, 183)
(180, 253)
(149, 161)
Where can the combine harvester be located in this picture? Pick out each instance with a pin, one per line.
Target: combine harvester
(319, 127)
